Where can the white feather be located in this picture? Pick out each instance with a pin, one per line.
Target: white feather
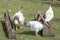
(16, 21)
(20, 16)
(35, 25)
(49, 14)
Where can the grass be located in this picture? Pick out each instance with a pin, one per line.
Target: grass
(30, 8)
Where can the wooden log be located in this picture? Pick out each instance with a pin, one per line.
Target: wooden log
(37, 18)
(10, 32)
(48, 30)
(51, 31)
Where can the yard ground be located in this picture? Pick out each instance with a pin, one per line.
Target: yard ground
(30, 8)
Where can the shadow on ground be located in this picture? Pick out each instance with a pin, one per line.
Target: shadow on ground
(4, 28)
(29, 33)
(26, 33)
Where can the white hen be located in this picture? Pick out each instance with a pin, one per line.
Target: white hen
(18, 18)
(49, 14)
(35, 26)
